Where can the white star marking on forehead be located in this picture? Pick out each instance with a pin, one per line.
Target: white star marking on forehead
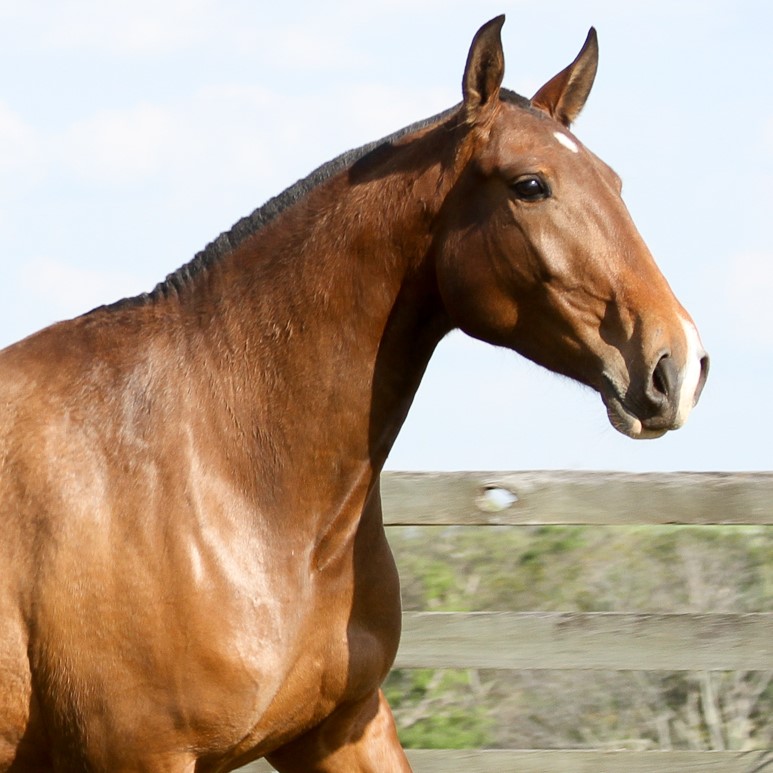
(566, 141)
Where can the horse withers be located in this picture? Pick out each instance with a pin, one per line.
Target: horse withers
(194, 568)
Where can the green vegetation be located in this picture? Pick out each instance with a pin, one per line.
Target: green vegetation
(584, 569)
(438, 711)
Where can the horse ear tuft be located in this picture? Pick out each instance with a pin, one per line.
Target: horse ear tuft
(564, 95)
(485, 69)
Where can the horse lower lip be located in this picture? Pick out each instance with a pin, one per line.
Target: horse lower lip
(628, 423)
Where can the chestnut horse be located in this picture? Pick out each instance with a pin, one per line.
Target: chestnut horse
(194, 569)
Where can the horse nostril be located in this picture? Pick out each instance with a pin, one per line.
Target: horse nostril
(658, 381)
(664, 379)
(705, 362)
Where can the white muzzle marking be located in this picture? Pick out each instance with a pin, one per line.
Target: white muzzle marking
(691, 373)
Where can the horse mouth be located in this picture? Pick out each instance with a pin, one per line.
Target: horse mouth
(626, 421)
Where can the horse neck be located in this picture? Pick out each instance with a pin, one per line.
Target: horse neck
(329, 315)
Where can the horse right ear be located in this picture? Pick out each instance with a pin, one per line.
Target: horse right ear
(484, 70)
(564, 95)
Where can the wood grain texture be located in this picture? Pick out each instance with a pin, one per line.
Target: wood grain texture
(578, 498)
(576, 761)
(594, 641)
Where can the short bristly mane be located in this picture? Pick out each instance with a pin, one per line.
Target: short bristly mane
(264, 214)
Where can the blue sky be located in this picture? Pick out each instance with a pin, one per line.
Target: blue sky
(132, 133)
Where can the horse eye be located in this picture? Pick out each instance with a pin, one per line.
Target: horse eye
(530, 188)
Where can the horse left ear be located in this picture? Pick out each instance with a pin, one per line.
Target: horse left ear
(564, 96)
(484, 70)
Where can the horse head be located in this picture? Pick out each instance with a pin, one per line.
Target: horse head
(536, 251)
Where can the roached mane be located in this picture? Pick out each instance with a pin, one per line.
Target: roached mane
(251, 224)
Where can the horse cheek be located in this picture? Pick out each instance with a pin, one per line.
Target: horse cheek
(479, 289)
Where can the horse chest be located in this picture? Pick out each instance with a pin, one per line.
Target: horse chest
(329, 657)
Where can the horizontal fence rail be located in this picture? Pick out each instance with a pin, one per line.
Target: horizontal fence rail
(581, 641)
(611, 498)
(594, 641)
(575, 761)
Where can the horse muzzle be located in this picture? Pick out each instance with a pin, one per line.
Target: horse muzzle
(660, 399)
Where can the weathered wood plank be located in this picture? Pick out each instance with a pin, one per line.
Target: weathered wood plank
(540, 761)
(577, 498)
(594, 641)
(581, 641)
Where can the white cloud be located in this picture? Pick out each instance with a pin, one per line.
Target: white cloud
(768, 135)
(18, 148)
(749, 291)
(67, 290)
(302, 36)
(303, 48)
(117, 145)
(120, 26)
(379, 109)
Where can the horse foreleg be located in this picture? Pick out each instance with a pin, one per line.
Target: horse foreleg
(360, 738)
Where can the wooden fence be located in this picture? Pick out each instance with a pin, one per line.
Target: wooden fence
(593, 641)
